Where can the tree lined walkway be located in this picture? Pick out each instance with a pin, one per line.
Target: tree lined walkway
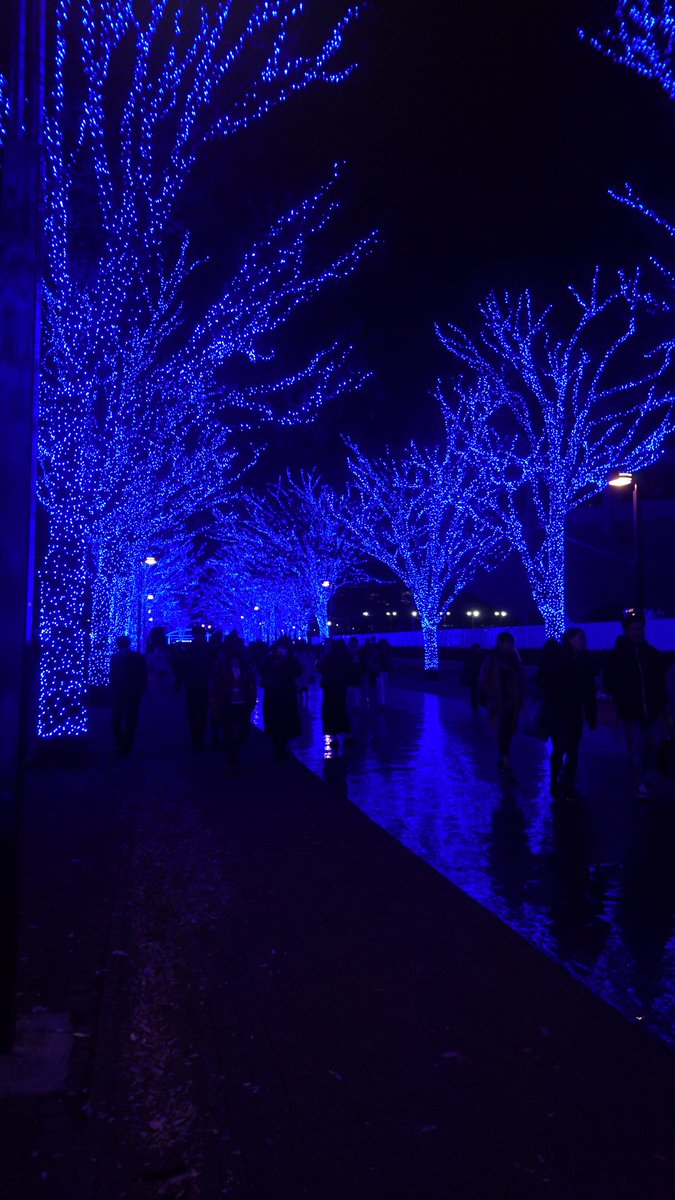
(293, 1005)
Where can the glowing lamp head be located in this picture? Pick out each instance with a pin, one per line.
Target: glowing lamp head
(326, 583)
(620, 479)
(150, 560)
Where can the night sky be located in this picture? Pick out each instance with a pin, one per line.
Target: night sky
(480, 139)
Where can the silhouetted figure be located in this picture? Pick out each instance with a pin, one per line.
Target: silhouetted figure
(355, 676)
(370, 666)
(501, 686)
(470, 674)
(383, 659)
(635, 677)
(232, 696)
(281, 717)
(128, 679)
(336, 672)
(196, 667)
(567, 683)
(307, 660)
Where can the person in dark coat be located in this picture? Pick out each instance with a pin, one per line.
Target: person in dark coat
(567, 684)
(232, 696)
(281, 715)
(335, 669)
(635, 678)
(470, 673)
(196, 667)
(501, 686)
(128, 679)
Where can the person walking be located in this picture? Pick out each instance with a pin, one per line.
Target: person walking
(128, 680)
(336, 672)
(196, 667)
(470, 673)
(501, 685)
(281, 716)
(232, 697)
(567, 685)
(635, 678)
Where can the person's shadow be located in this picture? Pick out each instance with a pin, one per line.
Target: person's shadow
(578, 888)
(509, 858)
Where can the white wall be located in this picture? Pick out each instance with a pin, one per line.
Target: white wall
(601, 635)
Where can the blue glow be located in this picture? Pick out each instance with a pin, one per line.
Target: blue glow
(564, 410)
(422, 515)
(141, 426)
(642, 38)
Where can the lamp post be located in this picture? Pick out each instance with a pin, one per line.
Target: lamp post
(624, 479)
(148, 561)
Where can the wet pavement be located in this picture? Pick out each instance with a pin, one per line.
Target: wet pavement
(591, 883)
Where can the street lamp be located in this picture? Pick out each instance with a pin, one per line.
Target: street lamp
(148, 561)
(624, 479)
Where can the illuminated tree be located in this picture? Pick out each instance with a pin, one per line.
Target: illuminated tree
(566, 408)
(422, 515)
(143, 411)
(298, 528)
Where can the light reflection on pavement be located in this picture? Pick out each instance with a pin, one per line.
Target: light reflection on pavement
(592, 883)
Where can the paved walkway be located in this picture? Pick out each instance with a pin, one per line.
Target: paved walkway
(270, 997)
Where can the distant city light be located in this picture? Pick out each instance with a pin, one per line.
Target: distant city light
(366, 614)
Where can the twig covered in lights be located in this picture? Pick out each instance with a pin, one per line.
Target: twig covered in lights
(572, 395)
(421, 515)
(147, 417)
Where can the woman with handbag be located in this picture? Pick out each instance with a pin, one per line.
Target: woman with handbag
(567, 683)
(501, 687)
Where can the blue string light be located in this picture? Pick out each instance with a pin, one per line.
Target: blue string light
(565, 409)
(422, 515)
(296, 534)
(142, 426)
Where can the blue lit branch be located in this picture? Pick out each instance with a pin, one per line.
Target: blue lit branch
(146, 419)
(572, 394)
(421, 515)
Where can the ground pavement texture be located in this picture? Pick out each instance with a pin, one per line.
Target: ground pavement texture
(258, 993)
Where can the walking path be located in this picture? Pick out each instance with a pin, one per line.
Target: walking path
(270, 997)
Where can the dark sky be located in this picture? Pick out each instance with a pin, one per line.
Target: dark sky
(480, 137)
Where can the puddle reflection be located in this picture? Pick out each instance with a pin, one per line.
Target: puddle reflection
(590, 883)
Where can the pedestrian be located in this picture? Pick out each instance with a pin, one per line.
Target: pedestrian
(635, 678)
(355, 675)
(383, 659)
(307, 660)
(232, 696)
(368, 661)
(281, 715)
(196, 667)
(567, 685)
(501, 685)
(470, 673)
(128, 680)
(336, 672)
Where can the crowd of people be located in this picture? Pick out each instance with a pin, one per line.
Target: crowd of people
(220, 678)
(635, 676)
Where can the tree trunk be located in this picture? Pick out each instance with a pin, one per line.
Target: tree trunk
(430, 635)
(62, 711)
